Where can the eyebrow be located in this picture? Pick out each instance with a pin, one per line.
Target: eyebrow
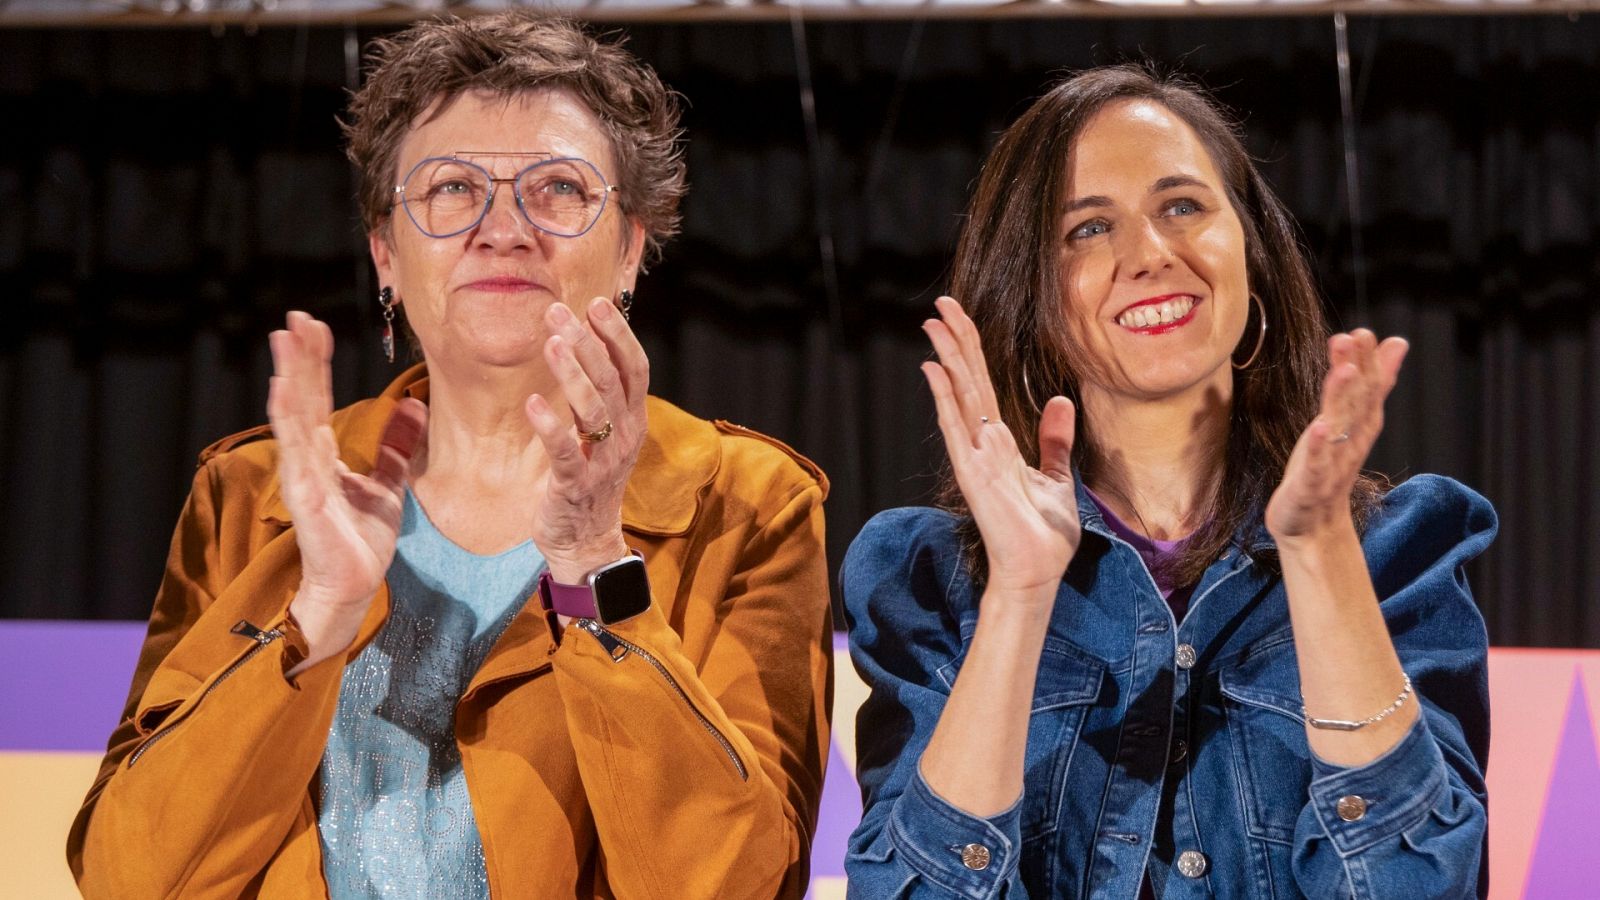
(1165, 183)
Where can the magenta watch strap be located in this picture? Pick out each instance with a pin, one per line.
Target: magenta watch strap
(575, 600)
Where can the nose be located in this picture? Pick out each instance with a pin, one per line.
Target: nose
(1143, 250)
(503, 227)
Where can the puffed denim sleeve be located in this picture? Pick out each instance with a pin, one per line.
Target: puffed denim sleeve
(1414, 820)
(902, 579)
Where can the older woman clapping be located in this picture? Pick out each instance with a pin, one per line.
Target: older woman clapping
(512, 628)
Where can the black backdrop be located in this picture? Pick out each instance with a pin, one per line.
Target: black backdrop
(166, 194)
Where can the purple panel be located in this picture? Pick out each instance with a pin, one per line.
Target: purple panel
(63, 683)
(840, 813)
(841, 804)
(1564, 854)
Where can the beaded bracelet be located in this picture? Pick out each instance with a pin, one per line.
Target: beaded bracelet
(1349, 725)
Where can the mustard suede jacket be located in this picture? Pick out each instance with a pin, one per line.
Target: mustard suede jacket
(688, 767)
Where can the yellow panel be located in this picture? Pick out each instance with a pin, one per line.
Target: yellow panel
(42, 793)
(831, 887)
(849, 692)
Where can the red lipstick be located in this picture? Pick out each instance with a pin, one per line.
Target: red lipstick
(1163, 327)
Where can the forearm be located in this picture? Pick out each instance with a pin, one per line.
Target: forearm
(975, 758)
(660, 754)
(202, 798)
(1348, 666)
(1420, 825)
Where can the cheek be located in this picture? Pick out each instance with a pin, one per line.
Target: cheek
(1221, 246)
(425, 266)
(1223, 250)
(1087, 279)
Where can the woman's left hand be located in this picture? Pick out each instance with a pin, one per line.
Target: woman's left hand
(1314, 497)
(604, 378)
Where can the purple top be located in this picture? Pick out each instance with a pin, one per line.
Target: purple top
(1154, 553)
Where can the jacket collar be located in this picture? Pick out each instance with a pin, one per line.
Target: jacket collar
(1252, 535)
(680, 456)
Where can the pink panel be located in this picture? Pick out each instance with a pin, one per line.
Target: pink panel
(1529, 691)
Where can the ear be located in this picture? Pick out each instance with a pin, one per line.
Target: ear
(382, 258)
(632, 255)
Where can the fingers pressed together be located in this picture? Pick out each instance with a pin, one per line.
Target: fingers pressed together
(1361, 373)
(962, 391)
(300, 400)
(604, 377)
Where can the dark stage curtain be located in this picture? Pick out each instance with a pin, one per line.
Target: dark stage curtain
(168, 194)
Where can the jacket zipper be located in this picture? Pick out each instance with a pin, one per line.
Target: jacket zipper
(618, 649)
(262, 639)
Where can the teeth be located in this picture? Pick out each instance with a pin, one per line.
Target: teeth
(1164, 313)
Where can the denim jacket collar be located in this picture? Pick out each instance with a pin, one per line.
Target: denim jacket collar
(1252, 535)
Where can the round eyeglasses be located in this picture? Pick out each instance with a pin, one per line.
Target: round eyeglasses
(446, 195)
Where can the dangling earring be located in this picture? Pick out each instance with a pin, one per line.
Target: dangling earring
(1261, 336)
(625, 303)
(386, 300)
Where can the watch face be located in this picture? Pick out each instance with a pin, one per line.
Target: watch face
(621, 591)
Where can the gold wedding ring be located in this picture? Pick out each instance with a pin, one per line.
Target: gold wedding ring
(598, 435)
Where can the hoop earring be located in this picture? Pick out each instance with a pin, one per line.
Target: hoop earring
(625, 303)
(386, 300)
(1028, 390)
(1261, 336)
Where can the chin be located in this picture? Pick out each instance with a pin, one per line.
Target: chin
(1173, 379)
(496, 348)
(507, 356)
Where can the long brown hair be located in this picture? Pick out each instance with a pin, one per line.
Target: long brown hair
(1007, 276)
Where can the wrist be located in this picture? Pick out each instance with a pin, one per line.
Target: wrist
(1321, 541)
(573, 565)
(324, 628)
(1025, 602)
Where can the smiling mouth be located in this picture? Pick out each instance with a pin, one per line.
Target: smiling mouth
(1158, 316)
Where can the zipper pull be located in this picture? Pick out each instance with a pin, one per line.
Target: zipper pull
(612, 644)
(255, 634)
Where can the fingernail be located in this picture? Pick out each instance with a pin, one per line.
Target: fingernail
(600, 309)
(560, 314)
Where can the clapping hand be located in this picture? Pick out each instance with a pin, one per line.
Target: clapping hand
(1028, 516)
(604, 377)
(345, 523)
(1314, 495)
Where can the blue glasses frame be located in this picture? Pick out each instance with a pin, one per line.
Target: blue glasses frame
(494, 183)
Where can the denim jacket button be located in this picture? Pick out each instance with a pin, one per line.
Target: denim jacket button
(975, 857)
(1185, 656)
(1351, 808)
(1180, 749)
(1191, 863)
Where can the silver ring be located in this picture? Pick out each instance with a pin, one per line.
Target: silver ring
(983, 420)
(1339, 438)
(598, 435)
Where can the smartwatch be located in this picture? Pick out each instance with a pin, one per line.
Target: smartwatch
(610, 594)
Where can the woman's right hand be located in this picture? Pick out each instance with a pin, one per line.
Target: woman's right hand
(346, 523)
(1028, 517)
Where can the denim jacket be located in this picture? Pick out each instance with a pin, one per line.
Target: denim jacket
(1177, 747)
